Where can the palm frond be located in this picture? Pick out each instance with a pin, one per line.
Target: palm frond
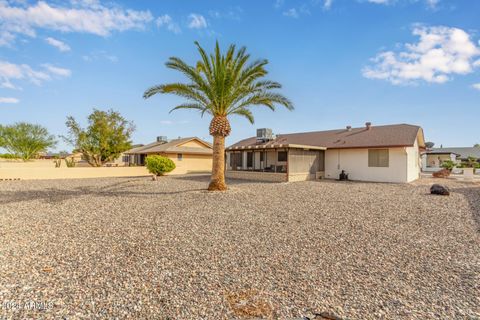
(245, 113)
(190, 106)
(191, 92)
(225, 83)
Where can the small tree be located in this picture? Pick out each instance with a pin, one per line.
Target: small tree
(449, 165)
(476, 145)
(105, 139)
(159, 165)
(471, 162)
(25, 140)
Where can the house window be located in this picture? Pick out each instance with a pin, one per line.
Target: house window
(378, 158)
(261, 156)
(282, 156)
(179, 156)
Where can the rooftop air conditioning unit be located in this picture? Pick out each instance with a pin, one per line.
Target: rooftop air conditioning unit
(162, 139)
(264, 134)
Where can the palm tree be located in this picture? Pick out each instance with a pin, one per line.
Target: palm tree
(222, 84)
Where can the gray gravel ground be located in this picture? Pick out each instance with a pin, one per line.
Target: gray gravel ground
(132, 248)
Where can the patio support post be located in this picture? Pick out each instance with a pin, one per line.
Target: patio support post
(265, 159)
(253, 160)
(276, 159)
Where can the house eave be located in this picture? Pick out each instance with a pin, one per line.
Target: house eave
(275, 146)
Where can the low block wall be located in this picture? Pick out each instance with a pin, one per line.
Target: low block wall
(32, 173)
(45, 169)
(4, 164)
(305, 176)
(257, 176)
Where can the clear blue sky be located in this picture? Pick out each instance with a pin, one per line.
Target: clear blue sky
(342, 62)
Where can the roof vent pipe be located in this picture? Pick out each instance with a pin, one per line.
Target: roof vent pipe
(368, 125)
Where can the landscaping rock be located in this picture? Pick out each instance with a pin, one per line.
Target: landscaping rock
(130, 248)
(326, 316)
(440, 190)
(444, 173)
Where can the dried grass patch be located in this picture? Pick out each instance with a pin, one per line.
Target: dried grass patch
(250, 303)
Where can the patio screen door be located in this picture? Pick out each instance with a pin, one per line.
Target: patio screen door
(303, 161)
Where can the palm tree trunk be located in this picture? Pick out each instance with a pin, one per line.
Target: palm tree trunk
(217, 182)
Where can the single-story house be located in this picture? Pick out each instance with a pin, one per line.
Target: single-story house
(389, 153)
(432, 159)
(190, 155)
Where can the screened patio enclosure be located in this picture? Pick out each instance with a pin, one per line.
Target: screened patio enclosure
(276, 164)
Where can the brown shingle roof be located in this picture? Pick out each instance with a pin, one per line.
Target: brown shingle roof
(463, 152)
(398, 135)
(172, 147)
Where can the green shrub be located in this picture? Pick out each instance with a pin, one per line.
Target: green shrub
(159, 165)
(70, 162)
(58, 162)
(9, 156)
(449, 165)
(471, 162)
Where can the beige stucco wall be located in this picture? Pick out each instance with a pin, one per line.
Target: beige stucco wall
(413, 163)
(45, 169)
(118, 161)
(257, 176)
(39, 163)
(191, 163)
(193, 144)
(434, 160)
(305, 176)
(355, 163)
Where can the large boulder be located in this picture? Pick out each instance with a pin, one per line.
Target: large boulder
(444, 173)
(440, 190)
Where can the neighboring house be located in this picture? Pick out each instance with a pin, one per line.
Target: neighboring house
(388, 153)
(47, 156)
(120, 161)
(433, 159)
(189, 154)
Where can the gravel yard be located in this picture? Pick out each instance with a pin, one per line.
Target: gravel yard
(132, 248)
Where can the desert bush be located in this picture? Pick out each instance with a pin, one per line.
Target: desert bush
(159, 165)
(26, 140)
(470, 163)
(9, 156)
(58, 162)
(449, 165)
(70, 162)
